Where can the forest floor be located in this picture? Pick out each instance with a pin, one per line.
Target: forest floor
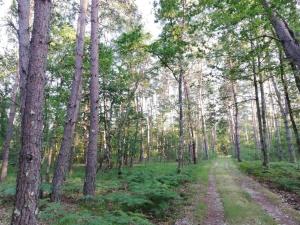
(215, 192)
(235, 199)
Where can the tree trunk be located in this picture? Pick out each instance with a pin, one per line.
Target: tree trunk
(276, 124)
(263, 119)
(9, 131)
(24, 42)
(62, 163)
(259, 118)
(287, 39)
(107, 126)
(191, 128)
(180, 102)
(236, 122)
(288, 102)
(149, 144)
(284, 113)
(91, 167)
(28, 178)
(254, 122)
(203, 127)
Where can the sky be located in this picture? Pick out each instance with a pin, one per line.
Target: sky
(145, 8)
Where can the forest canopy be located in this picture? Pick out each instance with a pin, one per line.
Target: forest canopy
(104, 121)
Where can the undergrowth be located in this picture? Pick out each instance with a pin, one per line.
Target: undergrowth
(283, 175)
(144, 193)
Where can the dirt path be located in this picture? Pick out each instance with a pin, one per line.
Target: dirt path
(215, 211)
(263, 199)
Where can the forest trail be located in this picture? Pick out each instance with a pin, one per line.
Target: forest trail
(215, 210)
(236, 199)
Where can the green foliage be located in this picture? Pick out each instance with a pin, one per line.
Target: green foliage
(283, 175)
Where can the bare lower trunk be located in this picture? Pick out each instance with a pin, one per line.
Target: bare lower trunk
(91, 167)
(276, 125)
(62, 163)
(180, 102)
(288, 102)
(191, 128)
(259, 117)
(264, 120)
(107, 134)
(28, 178)
(141, 158)
(284, 113)
(149, 144)
(254, 122)
(9, 131)
(202, 119)
(236, 123)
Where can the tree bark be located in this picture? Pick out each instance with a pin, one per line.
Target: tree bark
(62, 163)
(191, 128)
(287, 38)
(259, 117)
(9, 131)
(254, 122)
(284, 113)
(263, 119)
(276, 124)
(149, 144)
(236, 122)
(28, 178)
(91, 167)
(288, 102)
(180, 102)
(24, 42)
(203, 127)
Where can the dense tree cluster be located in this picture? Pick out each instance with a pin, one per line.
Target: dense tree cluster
(83, 83)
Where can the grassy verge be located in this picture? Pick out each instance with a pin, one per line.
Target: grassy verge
(239, 208)
(143, 194)
(282, 175)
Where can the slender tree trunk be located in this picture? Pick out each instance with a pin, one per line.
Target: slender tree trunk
(62, 163)
(10, 128)
(288, 102)
(254, 122)
(141, 158)
(24, 42)
(232, 130)
(28, 178)
(191, 128)
(202, 119)
(180, 102)
(213, 138)
(236, 122)
(91, 167)
(284, 113)
(276, 124)
(263, 118)
(107, 126)
(259, 118)
(149, 144)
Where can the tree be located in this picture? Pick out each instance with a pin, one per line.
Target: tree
(287, 38)
(28, 178)
(9, 131)
(63, 159)
(91, 163)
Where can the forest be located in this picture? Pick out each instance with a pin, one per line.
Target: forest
(140, 112)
